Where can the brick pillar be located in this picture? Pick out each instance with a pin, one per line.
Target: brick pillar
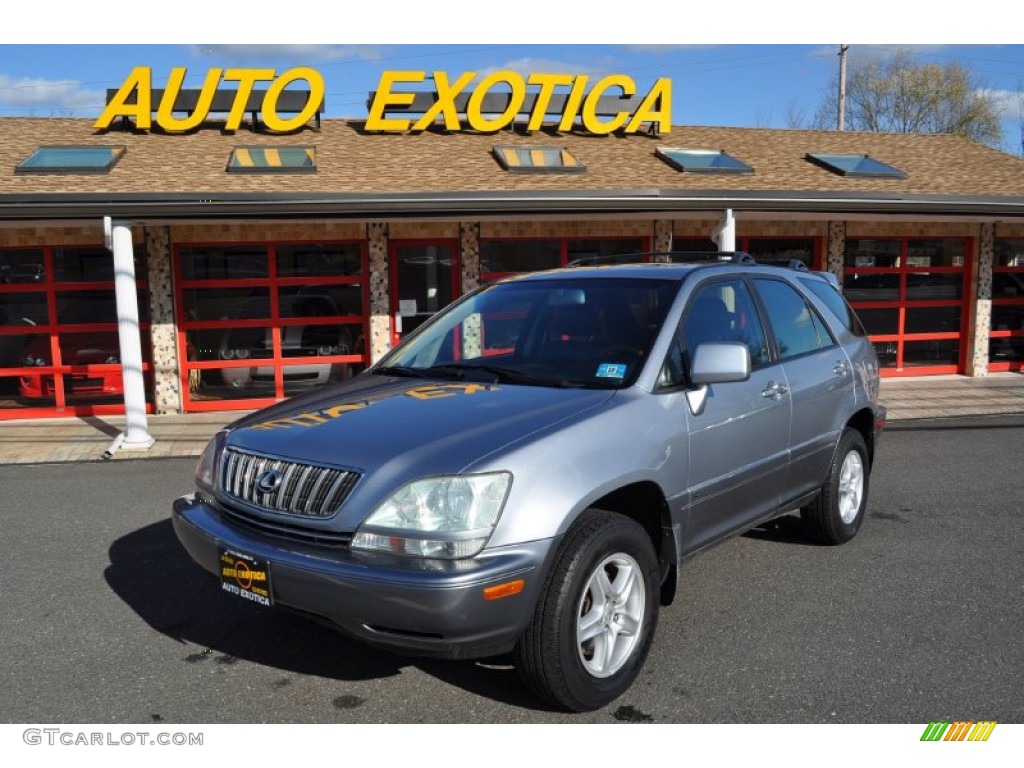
(980, 306)
(836, 253)
(380, 304)
(166, 371)
(662, 240)
(469, 254)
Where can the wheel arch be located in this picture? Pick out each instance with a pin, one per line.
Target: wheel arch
(645, 503)
(864, 422)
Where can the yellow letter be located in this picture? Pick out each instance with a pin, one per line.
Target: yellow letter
(572, 104)
(246, 80)
(141, 78)
(547, 84)
(376, 121)
(165, 112)
(316, 95)
(445, 101)
(476, 119)
(590, 121)
(656, 107)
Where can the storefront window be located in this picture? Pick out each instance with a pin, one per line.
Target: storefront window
(510, 256)
(59, 340)
(781, 250)
(1006, 336)
(588, 248)
(910, 293)
(297, 322)
(319, 260)
(504, 257)
(234, 262)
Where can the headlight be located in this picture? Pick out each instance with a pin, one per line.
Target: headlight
(227, 354)
(38, 361)
(444, 517)
(112, 359)
(206, 469)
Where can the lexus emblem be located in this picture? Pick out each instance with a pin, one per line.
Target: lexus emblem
(269, 481)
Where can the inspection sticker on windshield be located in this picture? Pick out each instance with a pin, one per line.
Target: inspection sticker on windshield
(611, 371)
(245, 576)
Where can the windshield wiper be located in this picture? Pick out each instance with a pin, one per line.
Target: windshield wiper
(505, 375)
(401, 370)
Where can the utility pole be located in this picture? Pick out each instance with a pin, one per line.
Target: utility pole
(842, 87)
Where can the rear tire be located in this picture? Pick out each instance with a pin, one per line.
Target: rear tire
(594, 622)
(835, 516)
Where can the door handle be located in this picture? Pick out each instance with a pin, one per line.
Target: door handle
(841, 368)
(774, 390)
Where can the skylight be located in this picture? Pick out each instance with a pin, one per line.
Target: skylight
(857, 166)
(538, 160)
(71, 159)
(702, 160)
(272, 160)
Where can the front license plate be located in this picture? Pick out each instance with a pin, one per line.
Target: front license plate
(246, 576)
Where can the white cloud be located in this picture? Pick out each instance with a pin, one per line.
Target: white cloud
(527, 65)
(36, 95)
(1010, 104)
(318, 54)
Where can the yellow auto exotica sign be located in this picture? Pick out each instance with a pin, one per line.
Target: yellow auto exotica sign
(134, 99)
(140, 82)
(656, 106)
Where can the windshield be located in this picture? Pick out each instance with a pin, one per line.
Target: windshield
(594, 332)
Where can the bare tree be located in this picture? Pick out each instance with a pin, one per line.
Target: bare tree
(896, 94)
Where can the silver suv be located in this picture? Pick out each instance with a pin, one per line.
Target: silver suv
(529, 470)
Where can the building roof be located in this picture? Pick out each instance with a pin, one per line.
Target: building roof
(438, 172)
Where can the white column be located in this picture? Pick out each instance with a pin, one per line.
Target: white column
(724, 235)
(136, 434)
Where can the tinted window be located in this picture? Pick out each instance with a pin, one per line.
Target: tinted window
(837, 304)
(797, 330)
(721, 311)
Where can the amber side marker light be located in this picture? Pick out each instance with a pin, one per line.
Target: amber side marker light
(504, 590)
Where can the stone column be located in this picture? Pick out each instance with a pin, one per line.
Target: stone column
(662, 240)
(380, 304)
(469, 254)
(835, 256)
(166, 367)
(980, 306)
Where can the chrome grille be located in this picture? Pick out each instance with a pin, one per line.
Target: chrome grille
(307, 490)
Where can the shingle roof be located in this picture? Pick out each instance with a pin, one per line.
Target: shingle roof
(350, 161)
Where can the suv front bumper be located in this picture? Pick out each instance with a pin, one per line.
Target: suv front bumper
(417, 606)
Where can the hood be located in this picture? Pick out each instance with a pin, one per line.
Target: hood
(414, 427)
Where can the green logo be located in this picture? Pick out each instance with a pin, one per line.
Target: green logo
(961, 730)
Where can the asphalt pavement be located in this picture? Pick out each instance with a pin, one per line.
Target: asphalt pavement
(918, 619)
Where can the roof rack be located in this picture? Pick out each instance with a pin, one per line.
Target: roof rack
(677, 257)
(686, 257)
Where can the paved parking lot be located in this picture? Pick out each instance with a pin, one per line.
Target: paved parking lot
(918, 619)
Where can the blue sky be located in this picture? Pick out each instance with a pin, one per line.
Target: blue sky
(719, 82)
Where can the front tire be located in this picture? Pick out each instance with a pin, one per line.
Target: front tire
(595, 619)
(835, 516)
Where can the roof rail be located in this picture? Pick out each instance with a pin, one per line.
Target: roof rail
(676, 257)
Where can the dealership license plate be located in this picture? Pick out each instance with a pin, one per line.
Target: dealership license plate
(246, 576)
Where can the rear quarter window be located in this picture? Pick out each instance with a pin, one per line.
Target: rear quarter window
(837, 305)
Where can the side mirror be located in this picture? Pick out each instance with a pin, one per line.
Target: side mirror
(720, 362)
(716, 363)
